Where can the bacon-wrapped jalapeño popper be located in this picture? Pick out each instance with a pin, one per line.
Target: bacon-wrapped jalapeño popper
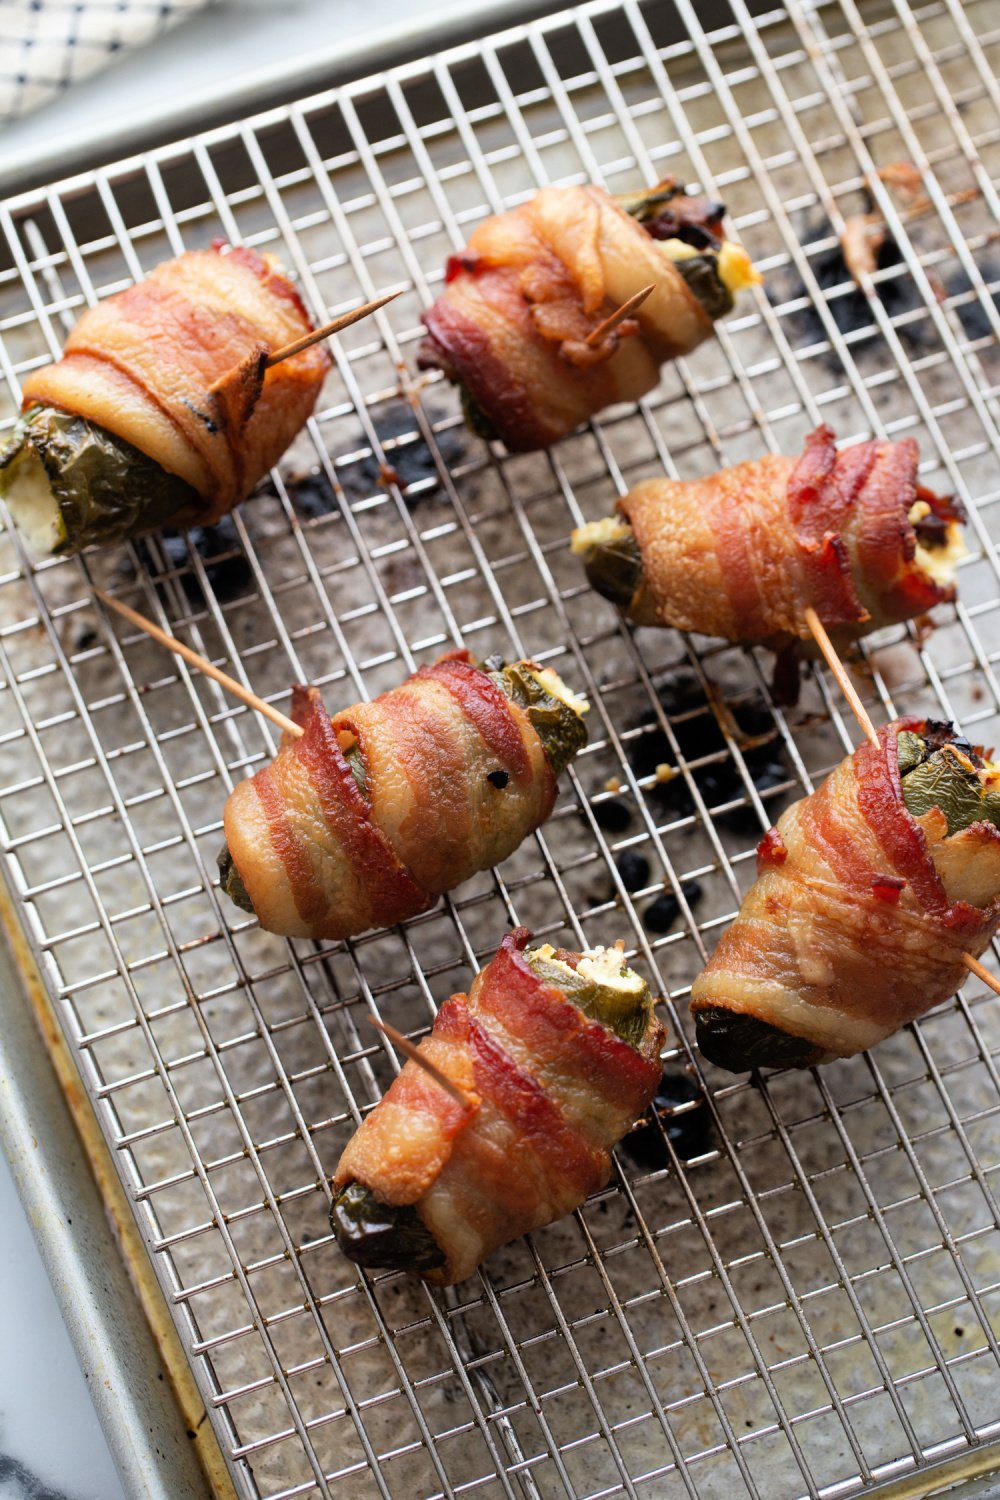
(868, 894)
(517, 325)
(160, 411)
(742, 553)
(557, 1054)
(368, 817)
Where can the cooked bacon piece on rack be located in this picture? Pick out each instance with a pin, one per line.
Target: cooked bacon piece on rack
(744, 553)
(367, 818)
(868, 895)
(556, 1055)
(522, 326)
(160, 410)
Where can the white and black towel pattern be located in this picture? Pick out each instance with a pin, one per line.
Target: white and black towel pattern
(46, 45)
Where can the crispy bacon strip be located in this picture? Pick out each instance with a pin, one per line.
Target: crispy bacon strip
(742, 553)
(320, 858)
(551, 1092)
(175, 366)
(512, 323)
(849, 930)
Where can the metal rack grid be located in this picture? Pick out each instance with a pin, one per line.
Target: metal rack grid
(806, 1301)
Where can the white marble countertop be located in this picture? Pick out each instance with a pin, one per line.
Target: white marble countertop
(51, 1444)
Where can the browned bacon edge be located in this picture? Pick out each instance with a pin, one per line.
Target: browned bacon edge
(485, 704)
(552, 1029)
(457, 346)
(392, 891)
(540, 1014)
(880, 797)
(899, 836)
(175, 327)
(823, 489)
(943, 929)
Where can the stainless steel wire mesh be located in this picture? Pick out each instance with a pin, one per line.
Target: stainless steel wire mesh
(805, 1299)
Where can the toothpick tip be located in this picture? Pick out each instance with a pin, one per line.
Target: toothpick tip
(413, 1054)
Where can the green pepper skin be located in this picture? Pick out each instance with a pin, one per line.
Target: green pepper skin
(701, 272)
(106, 490)
(475, 418)
(941, 780)
(382, 1236)
(560, 728)
(668, 212)
(740, 1042)
(231, 881)
(648, 203)
(910, 751)
(614, 569)
(626, 1015)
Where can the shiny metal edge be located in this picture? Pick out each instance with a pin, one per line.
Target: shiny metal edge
(139, 1379)
(295, 78)
(973, 1474)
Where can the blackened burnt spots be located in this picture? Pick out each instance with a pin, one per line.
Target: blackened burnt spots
(703, 747)
(679, 1114)
(846, 304)
(207, 422)
(663, 913)
(227, 570)
(409, 461)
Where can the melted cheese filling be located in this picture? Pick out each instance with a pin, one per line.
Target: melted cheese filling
(556, 688)
(32, 505)
(939, 563)
(735, 268)
(603, 966)
(596, 534)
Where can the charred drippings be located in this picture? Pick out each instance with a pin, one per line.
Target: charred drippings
(698, 736)
(612, 815)
(633, 869)
(849, 308)
(85, 637)
(413, 467)
(970, 311)
(660, 915)
(226, 566)
(311, 496)
(688, 1131)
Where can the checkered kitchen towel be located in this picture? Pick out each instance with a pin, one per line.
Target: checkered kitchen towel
(45, 45)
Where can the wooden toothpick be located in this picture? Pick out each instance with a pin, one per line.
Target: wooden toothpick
(202, 663)
(839, 671)
(849, 691)
(981, 972)
(344, 321)
(599, 334)
(403, 1044)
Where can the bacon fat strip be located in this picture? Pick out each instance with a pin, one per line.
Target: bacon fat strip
(742, 553)
(512, 324)
(175, 366)
(550, 1092)
(455, 776)
(855, 924)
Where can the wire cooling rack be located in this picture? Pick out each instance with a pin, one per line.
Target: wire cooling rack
(800, 1297)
